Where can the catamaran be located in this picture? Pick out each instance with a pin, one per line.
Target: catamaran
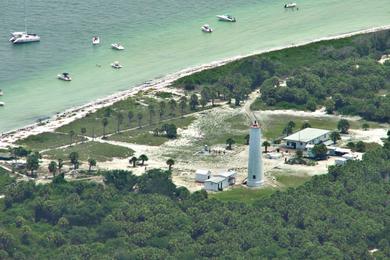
(24, 37)
(206, 28)
(226, 18)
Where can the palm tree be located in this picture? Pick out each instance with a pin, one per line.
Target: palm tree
(183, 105)
(172, 106)
(194, 101)
(105, 123)
(335, 136)
(152, 113)
(162, 109)
(130, 116)
(119, 118)
(71, 135)
(229, 143)
(139, 118)
(170, 162)
(266, 145)
(74, 159)
(143, 158)
(52, 168)
(291, 124)
(60, 164)
(83, 130)
(91, 163)
(133, 161)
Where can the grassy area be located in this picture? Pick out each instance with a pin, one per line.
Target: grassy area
(5, 180)
(145, 135)
(217, 132)
(292, 180)
(137, 105)
(98, 151)
(243, 194)
(47, 140)
(273, 125)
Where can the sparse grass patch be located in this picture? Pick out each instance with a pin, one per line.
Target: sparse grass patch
(98, 151)
(47, 141)
(144, 135)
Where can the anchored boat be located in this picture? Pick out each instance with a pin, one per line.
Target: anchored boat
(64, 76)
(206, 28)
(226, 18)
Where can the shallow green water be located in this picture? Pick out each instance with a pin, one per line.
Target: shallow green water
(160, 36)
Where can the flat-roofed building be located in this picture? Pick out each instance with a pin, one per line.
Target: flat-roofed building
(202, 175)
(216, 184)
(301, 139)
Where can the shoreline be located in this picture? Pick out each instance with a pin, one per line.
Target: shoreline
(74, 113)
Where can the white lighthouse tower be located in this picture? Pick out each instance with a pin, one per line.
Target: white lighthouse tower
(255, 166)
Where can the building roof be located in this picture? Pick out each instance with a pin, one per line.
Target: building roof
(203, 172)
(306, 135)
(216, 179)
(226, 174)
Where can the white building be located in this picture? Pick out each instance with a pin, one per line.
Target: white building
(216, 184)
(229, 175)
(312, 136)
(202, 175)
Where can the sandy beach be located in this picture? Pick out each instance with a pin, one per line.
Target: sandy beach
(75, 113)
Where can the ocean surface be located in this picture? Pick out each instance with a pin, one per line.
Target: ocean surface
(160, 37)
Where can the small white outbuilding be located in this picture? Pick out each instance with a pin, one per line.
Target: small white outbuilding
(229, 175)
(216, 184)
(202, 175)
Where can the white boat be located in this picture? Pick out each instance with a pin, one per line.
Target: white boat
(290, 5)
(64, 76)
(226, 18)
(2, 104)
(24, 37)
(117, 46)
(95, 40)
(116, 65)
(206, 28)
(1, 93)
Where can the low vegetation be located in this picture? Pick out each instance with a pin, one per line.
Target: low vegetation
(99, 151)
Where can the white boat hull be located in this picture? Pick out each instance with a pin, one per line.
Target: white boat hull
(225, 18)
(117, 47)
(27, 38)
(61, 77)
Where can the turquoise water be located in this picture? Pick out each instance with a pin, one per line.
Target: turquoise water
(160, 36)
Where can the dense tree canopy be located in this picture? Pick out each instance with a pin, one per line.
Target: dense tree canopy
(339, 215)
